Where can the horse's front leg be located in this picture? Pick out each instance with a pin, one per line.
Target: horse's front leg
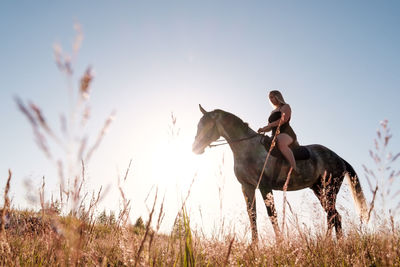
(270, 204)
(249, 196)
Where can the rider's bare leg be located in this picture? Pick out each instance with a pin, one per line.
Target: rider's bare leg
(284, 140)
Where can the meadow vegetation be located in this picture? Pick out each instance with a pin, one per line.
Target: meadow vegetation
(70, 230)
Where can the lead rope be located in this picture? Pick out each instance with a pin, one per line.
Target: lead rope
(266, 159)
(231, 141)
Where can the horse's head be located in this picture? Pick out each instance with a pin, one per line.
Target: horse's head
(207, 131)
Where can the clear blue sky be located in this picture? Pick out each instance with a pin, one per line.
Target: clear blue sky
(336, 62)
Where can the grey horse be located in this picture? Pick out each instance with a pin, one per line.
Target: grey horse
(323, 171)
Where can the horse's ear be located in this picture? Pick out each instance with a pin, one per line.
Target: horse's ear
(202, 109)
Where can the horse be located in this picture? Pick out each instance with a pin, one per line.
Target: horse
(323, 172)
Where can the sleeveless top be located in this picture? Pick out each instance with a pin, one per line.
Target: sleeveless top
(284, 128)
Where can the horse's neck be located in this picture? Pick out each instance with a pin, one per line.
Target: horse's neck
(234, 133)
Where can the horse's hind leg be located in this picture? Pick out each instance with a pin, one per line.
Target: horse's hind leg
(326, 190)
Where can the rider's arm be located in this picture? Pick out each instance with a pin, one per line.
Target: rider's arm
(286, 113)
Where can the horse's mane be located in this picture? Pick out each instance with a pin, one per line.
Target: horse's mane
(233, 119)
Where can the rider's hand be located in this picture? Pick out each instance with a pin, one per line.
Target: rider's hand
(260, 130)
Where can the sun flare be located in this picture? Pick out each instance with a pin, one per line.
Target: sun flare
(176, 164)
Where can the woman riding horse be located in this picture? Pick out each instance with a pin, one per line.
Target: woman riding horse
(281, 116)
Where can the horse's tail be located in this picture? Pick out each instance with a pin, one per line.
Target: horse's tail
(356, 191)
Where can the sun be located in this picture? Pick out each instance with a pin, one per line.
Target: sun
(176, 163)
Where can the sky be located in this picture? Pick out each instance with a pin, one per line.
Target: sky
(337, 64)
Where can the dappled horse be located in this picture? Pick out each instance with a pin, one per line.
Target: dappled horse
(323, 171)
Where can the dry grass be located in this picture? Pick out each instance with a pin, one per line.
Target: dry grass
(65, 240)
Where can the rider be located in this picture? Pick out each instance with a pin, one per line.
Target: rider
(286, 135)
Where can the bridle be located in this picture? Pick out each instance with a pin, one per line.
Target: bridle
(225, 142)
(221, 142)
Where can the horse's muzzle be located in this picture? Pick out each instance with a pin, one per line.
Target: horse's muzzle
(196, 149)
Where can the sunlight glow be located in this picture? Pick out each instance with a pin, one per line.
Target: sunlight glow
(176, 165)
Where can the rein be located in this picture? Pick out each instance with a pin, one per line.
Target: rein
(232, 141)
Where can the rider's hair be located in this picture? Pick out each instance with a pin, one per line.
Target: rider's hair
(278, 96)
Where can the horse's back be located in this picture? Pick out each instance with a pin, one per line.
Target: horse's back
(320, 150)
(326, 159)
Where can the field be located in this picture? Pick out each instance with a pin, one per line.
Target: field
(46, 238)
